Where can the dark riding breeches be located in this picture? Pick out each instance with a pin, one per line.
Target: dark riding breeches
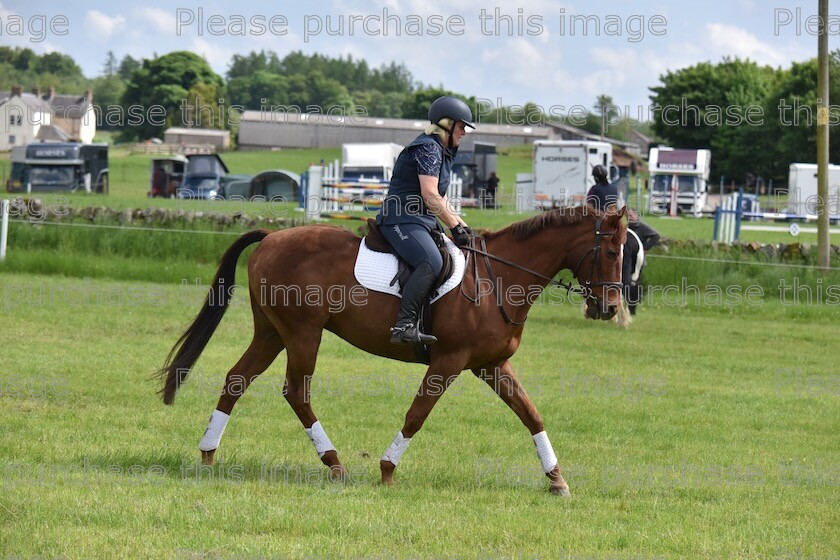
(414, 244)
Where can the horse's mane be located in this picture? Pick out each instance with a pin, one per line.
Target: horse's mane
(557, 217)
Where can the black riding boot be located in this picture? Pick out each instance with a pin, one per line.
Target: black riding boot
(414, 294)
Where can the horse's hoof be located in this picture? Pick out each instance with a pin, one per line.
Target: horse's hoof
(387, 468)
(207, 457)
(562, 491)
(338, 473)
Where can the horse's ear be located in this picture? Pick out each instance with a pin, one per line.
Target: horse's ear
(615, 217)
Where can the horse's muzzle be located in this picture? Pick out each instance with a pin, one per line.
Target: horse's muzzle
(599, 309)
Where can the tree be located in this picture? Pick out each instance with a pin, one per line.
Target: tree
(203, 108)
(716, 106)
(262, 89)
(25, 59)
(57, 63)
(417, 107)
(791, 107)
(693, 87)
(379, 104)
(165, 82)
(107, 92)
(606, 111)
(127, 67)
(111, 66)
(243, 66)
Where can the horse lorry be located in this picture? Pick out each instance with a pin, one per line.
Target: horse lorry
(59, 166)
(802, 191)
(678, 181)
(562, 173)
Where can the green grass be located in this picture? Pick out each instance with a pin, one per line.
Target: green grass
(690, 435)
(154, 252)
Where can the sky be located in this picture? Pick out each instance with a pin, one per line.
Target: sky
(557, 54)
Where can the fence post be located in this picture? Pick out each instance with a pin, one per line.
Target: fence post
(454, 193)
(639, 194)
(312, 201)
(675, 185)
(728, 219)
(4, 227)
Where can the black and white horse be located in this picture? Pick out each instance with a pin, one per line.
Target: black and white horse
(640, 238)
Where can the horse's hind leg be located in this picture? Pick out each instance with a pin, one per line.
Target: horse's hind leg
(302, 352)
(265, 346)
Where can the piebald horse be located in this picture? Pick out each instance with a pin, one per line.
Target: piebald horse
(479, 334)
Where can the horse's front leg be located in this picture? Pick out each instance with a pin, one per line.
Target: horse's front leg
(501, 377)
(438, 377)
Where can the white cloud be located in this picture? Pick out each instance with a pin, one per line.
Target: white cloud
(162, 20)
(101, 26)
(731, 40)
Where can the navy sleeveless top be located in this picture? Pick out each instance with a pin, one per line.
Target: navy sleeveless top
(602, 196)
(404, 203)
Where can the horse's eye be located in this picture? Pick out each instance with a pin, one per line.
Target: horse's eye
(612, 254)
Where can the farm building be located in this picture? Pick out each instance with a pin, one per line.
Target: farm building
(219, 139)
(260, 130)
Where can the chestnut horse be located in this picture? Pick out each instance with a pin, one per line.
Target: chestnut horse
(480, 334)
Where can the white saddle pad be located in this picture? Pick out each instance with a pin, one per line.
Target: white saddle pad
(375, 271)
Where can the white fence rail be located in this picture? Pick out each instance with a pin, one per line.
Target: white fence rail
(326, 193)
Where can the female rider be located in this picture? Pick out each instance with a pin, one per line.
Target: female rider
(416, 201)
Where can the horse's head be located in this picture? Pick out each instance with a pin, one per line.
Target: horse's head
(598, 256)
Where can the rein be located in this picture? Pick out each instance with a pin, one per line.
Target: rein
(584, 290)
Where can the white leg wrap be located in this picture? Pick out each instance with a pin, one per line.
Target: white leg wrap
(545, 451)
(396, 449)
(319, 439)
(214, 431)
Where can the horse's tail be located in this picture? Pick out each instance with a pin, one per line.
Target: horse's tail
(189, 347)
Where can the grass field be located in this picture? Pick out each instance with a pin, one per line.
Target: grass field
(706, 430)
(700, 432)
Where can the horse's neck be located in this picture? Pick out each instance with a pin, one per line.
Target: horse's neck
(544, 252)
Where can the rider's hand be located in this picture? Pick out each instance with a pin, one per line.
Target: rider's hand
(461, 235)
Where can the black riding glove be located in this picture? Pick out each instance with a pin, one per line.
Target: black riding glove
(461, 235)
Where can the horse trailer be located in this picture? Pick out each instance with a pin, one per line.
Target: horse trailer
(678, 180)
(59, 166)
(563, 170)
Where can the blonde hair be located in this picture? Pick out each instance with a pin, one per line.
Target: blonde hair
(433, 128)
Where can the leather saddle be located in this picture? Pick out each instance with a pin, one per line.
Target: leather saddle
(375, 241)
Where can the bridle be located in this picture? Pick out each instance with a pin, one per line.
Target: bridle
(585, 289)
(596, 258)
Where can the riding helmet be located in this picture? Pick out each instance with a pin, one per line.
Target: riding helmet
(452, 107)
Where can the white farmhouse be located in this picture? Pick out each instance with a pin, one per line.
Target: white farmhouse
(31, 117)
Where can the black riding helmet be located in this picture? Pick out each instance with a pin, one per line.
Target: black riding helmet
(599, 172)
(452, 107)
